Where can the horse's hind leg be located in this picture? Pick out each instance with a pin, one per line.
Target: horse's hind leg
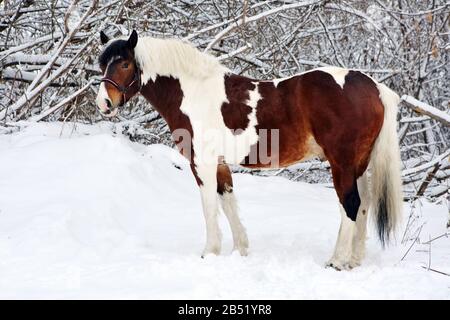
(343, 249)
(359, 238)
(346, 187)
(353, 193)
(230, 208)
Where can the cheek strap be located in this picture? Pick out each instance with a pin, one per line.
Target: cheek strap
(124, 90)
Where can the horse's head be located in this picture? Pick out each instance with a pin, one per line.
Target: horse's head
(121, 76)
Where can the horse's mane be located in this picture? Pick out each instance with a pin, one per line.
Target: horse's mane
(171, 57)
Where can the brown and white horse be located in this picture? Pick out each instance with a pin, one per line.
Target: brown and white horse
(219, 118)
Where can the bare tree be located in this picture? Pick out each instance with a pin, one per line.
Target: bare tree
(49, 70)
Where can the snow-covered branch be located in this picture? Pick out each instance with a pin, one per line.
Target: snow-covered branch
(62, 103)
(257, 17)
(423, 108)
(425, 166)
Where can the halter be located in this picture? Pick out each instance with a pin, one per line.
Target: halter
(123, 90)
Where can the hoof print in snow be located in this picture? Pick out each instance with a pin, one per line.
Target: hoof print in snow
(177, 166)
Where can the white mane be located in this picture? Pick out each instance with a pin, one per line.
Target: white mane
(171, 57)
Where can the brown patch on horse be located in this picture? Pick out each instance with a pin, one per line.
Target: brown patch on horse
(345, 123)
(165, 95)
(280, 108)
(315, 116)
(224, 179)
(235, 112)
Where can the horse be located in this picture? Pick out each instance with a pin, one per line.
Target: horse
(218, 118)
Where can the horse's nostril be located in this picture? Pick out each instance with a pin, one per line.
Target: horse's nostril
(109, 104)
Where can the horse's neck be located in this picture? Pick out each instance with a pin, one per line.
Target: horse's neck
(165, 95)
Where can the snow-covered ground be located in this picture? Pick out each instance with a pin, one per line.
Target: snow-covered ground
(85, 213)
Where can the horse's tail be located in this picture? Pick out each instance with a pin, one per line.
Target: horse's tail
(386, 181)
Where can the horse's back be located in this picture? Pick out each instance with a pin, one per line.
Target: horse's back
(328, 112)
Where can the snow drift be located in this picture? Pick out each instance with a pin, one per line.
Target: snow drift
(85, 213)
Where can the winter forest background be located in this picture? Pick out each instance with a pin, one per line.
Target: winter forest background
(87, 213)
(49, 71)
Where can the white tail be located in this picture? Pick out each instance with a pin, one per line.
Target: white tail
(386, 181)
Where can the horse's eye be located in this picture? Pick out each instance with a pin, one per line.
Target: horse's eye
(125, 65)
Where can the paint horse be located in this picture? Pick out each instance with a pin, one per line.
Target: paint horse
(332, 113)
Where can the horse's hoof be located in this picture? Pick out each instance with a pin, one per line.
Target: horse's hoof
(243, 251)
(353, 264)
(207, 252)
(338, 266)
(204, 256)
(334, 266)
(243, 245)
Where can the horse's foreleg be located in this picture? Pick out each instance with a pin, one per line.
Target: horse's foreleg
(230, 208)
(206, 179)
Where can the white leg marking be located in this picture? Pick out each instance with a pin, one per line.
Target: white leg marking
(343, 250)
(230, 208)
(359, 239)
(208, 193)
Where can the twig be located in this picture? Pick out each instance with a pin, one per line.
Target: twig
(427, 180)
(438, 237)
(434, 270)
(234, 53)
(47, 112)
(415, 240)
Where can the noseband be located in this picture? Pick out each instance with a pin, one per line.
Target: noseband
(124, 89)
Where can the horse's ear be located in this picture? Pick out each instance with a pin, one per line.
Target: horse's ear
(103, 37)
(132, 40)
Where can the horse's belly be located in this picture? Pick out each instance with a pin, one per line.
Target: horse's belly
(283, 152)
(304, 151)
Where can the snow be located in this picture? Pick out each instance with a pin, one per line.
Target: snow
(85, 213)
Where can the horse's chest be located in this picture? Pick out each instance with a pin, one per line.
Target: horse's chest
(212, 136)
(222, 126)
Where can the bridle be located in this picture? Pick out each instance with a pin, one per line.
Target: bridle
(124, 89)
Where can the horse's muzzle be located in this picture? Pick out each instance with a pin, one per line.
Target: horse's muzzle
(110, 111)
